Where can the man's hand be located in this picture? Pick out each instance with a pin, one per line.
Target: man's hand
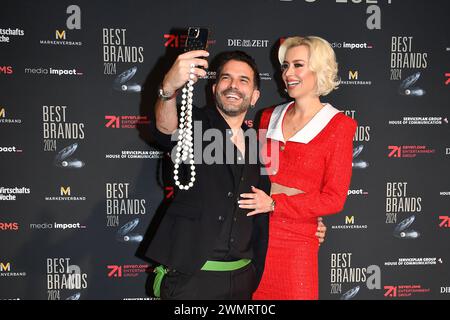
(259, 201)
(321, 230)
(186, 64)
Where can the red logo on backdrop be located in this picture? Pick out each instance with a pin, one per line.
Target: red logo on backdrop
(13, 226)
(396, 152)
(115, 271)
(114, 122)
(391, 291)
(447, 75)
(179, 40)
(169, 192)
(445, 221)
(175, 40)
(6, 70)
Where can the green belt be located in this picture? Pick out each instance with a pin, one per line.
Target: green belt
(225, 265)
(160, 273)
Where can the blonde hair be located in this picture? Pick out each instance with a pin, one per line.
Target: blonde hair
(322, 61)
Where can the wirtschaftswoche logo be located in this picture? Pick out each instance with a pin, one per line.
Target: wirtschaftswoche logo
(67, 37)
(13, 193)
(63, 278)
(7, 35)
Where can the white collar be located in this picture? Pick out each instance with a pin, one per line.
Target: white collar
(308, 132)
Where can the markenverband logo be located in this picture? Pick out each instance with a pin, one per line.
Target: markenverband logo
(63, 37)
(7, 120)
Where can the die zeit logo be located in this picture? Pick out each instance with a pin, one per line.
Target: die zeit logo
(445, 221)
(6, 70)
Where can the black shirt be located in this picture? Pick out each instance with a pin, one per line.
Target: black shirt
(233, 242)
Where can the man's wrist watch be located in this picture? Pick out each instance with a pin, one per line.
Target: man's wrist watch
(164, 96)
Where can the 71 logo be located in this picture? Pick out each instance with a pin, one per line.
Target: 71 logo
(391, 291)
(445, 221)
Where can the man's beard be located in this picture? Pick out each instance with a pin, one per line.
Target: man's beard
(232, 111)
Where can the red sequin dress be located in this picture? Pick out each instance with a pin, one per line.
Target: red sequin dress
(318, 161)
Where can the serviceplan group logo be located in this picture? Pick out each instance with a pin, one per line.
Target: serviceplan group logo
(136, 154)
(347, 279)
(63, 37)
(118, 50)
(418, 261)
(65, 281)
(119, 203)
(420, 121)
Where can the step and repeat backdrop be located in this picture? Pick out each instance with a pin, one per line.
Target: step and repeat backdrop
(81, 180)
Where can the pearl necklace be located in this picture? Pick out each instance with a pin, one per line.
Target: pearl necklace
(185, 145)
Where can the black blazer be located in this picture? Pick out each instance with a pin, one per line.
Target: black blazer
(186, 235)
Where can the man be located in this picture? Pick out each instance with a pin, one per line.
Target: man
(208, 247)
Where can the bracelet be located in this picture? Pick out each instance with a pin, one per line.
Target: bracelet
(272, 205)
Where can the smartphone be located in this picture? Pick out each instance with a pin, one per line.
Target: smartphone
(197, 39)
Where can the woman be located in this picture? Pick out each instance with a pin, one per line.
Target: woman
(311, 144)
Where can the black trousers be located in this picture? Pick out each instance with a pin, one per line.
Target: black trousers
(210, 285)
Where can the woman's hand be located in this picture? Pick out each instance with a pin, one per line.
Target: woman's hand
(259, 201)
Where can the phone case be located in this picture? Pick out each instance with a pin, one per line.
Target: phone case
(197, 39)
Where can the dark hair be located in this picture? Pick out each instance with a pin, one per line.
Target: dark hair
(237, 55)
